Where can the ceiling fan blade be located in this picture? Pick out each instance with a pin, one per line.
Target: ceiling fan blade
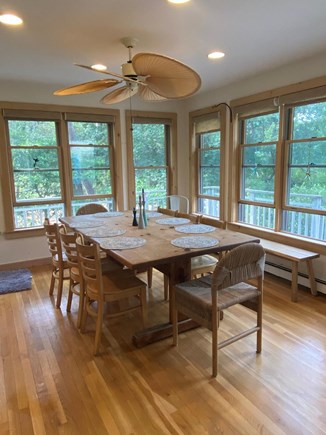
(120, 94)
(166, 76)
(84, 88)
(120, 76)
(147, 94)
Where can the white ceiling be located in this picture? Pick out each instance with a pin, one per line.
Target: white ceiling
(256, 35)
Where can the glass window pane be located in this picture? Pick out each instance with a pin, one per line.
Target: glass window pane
(88, 133)
(154, 183)
(149, 145)
(263, 128)
(209, 181)
(258, 184)
(89, 157)
(36, 174)
(210, 157)
(34, 215)
(91, 182)
(259, 155)
(30, 133)
(211, 139)
(309, 121)
(305, 224)
(209, 207)
(307, 175)
(257, 215)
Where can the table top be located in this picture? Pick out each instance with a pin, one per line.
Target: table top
(157, 249)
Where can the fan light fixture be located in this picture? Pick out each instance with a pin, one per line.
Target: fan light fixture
(178, 1)
(216, 55)
(10, 19)
(99, 67)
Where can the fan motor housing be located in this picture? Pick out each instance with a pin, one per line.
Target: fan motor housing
(128, 70)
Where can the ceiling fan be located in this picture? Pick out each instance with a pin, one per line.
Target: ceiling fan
(153, 76)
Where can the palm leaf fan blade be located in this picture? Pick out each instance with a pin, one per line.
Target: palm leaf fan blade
(120, 94)
(84, 88)
(166, 76)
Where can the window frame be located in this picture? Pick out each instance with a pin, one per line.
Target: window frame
(59, 114)
(218, 111)
(170, 121)
(287, 97)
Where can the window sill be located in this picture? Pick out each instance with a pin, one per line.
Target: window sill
(23, 233)
(287, 239)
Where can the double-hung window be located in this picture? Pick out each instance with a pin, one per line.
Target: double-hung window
(91, 156)
(151, 153)
(258, 143)
(304, 211)
(35, 160)
(54, 162)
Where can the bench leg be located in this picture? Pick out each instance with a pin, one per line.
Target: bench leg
(294, 287)
(312, 280)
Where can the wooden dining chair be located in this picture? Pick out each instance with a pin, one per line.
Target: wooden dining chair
(91, 208)
(114, 286)
(166, 211)
(203, 299)
(60, 267)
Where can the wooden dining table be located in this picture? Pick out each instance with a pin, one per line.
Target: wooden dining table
(154, 246)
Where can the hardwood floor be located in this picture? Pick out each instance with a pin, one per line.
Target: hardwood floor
(51, 384)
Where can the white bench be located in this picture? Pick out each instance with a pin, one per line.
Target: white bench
(296, 256)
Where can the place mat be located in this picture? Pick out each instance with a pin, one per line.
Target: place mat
(104, 231)
(153, 214)
(195, 242)
(195, 229)
(121, 242)
(106, 214)
(173, 221)
(87, 224)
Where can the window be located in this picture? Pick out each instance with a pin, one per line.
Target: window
(208, 171)
(282, 152)
(259, 135)
(90, 157)
(305, 198)
(55, 163)
(150, 158)
(35, 177)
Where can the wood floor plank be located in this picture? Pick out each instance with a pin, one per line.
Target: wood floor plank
(50, 382)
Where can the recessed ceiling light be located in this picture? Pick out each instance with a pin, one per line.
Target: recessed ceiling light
(99, 67)
(216, 55)
(10, 19)
(178, 1)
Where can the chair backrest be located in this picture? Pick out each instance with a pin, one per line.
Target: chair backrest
(53, 239)
(178, 202)
(192, 217)
(240, 264)
(68, 241)
(166, 211)
(214, 222)
(91, 209)
(90, 266)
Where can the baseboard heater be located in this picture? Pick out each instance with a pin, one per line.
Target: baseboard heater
(287, 269)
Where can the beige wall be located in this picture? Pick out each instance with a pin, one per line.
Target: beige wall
(12, 251)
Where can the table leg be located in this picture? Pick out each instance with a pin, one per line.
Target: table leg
(294, 287)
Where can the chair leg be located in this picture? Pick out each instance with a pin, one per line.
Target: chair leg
(99, 322)
(52, 281)
(174, 311)
(81, 306)
(260, 323)
(60, 287)
(70, 294)
(215, 325)
(84, 313)
(150, 277)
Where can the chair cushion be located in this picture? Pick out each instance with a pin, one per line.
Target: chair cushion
(203, 261)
